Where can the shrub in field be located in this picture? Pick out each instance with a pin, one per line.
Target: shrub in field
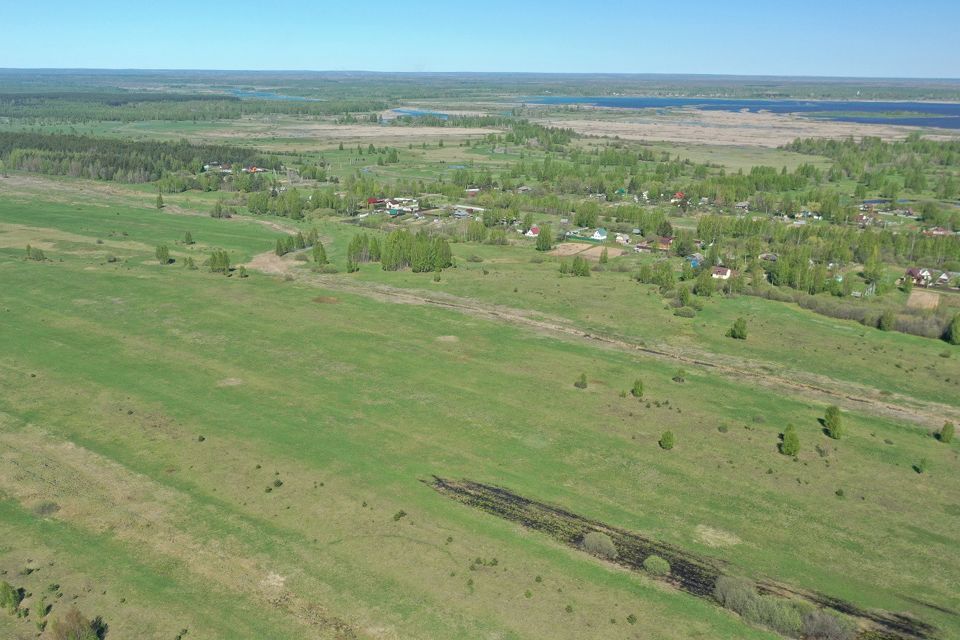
(791, 442)
(822, 625)
(163, 254)
(9, 597)
(657, 566)
(776, 613)
(666, 440)
(600, 544)
(685, 312)
(74, 626)
(735, 594)
(637, 390)
(833, 421)
(739, 329)
(946, 433)
(581, 382)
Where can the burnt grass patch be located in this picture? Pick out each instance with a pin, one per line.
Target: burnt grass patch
(689, 572)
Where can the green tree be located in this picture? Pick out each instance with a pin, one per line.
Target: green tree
(739, 329)
(544, 239)
(163, 254)
(666, 440)
(953, 331)
(352, 265)
(637, 390)
(833, 421)
(704, 286)
(159, 201)
(319, 253)
(581, 382)
(75, 626)
(604, 258)
(9, 597)
(242, 272)
(946, 433)
(887, 321)
(791, 441)
(656, 566)
(187, 238)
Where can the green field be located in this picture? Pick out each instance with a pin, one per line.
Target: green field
(146, 410)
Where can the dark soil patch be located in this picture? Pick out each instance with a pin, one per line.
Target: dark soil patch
(326, 300)
(691, 573)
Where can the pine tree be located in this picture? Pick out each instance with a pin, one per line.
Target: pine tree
(604, 258)
(163, 254)
(281, 247)
(299, 241)
(791, 442)
(544, 239)
(953, 331)
(319, 253)
(833, 421)
(352, 265)
(159, 201)
(581, 382)
(637, 390)
(187, 238)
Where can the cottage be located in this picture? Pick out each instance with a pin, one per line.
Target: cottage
(533, 232)
(943, 280)
(622, 238)
(665, 243)
(695, 259)
(742, 206)
(643, 247)
(721, 273)
(921, 277)
(599, 235)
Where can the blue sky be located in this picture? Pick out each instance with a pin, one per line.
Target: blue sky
(881, 38)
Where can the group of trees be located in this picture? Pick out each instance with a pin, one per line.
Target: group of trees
(116, 158)
(421, 252)
(287, 244)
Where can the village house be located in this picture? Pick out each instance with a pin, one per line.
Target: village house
(742, 206)
(533, 232)
(665, 243)
(921, 277)
(721, 273)
(695, 259)
(599, 235)
(644, 246)
(622, 238)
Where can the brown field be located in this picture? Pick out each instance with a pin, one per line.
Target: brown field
(722, 128)
(921, 299)
(570, 248)
(593, 253)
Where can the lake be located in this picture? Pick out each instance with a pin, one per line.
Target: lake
(916, 114)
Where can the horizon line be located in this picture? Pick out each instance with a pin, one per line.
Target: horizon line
(508, 73)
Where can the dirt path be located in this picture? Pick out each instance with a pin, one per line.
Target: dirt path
(812, 387)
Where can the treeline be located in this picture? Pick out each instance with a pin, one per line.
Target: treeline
(79, 107)
(519, 131)
(915, 164)
(116, 159)
(829, 243)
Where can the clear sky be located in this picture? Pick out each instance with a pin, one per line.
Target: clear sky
(881, 38)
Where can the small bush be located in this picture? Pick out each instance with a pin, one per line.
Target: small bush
(637, 390)
(685, 312)
(833, 421)
(946, 433)
(657, 566)
(600, 544)
(735, 594)
(680, 376)
(790, 446)
(822, 625)
(739, 330)
(9, 597)
(581, 382)
(399, 514)
(666, 441)
(474, 258)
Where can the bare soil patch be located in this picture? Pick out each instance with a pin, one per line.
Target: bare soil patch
(570, 248)
(450, 339)
(230, 382)
(594, 253)
(715, 537)
(921, 299)
(326, 300)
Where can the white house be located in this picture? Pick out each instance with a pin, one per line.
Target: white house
(600, 235)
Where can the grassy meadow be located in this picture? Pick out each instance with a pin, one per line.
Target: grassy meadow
(248, 458)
